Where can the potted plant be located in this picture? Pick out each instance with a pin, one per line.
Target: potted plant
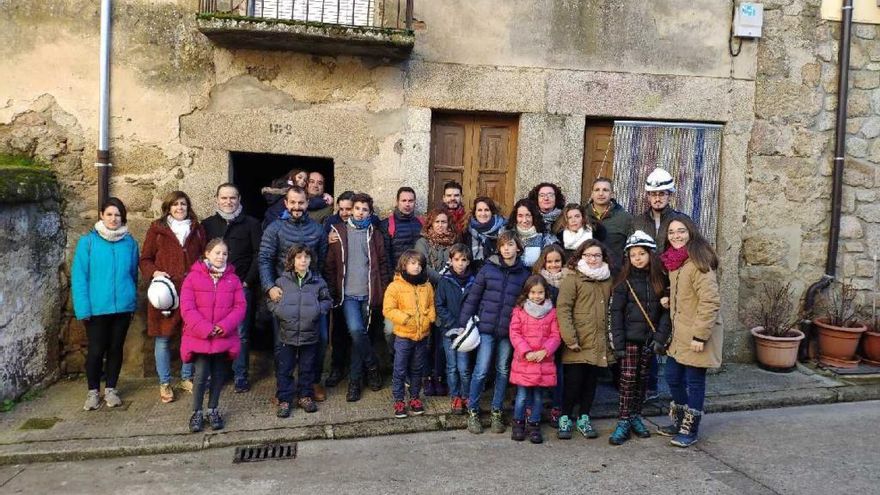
(839, 332)
(871, 339)
(776, 335)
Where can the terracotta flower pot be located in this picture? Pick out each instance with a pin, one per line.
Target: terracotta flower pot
(871, 347)
(837, 345)
(777, 353)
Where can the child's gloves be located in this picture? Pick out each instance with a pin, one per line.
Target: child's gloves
(659, 349)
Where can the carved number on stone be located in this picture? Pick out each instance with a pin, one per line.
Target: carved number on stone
(281, 129)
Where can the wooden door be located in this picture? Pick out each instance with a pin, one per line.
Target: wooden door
(598, 155)
(477, 151)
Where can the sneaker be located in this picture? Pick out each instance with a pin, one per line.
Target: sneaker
(215, 419)
(93, 401)
(185, 385)
(428, 387)
(399, 409)
(638, 427)
(196, 422)
(354, 392)
(563, 428)
(457, 406)
(518, 430)
(555, 413)
(416, 407)
(374, 379)
(166, 394)
(621, 433)
(534, 430)
(498, 422)
(473, 422)
(320, 393)
(307, 404)
(336, 376)
(111, 397)
(242, 385)
(585, 427)
(283, 410)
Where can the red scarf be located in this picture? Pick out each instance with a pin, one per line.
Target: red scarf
(457, 219)
(673, 258)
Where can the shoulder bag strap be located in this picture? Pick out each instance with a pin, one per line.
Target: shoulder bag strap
(639, 303)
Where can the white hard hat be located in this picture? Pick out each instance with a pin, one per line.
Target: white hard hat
(659, 180)
(642, 239)
(162, 295)
(468, 338)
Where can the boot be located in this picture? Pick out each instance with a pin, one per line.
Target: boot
(621, 432)
(336, 376)
(638, 427)
(354, 391)
(518, 430)
(535, 433)
(690, 425)
(676, 414)
(374, 379)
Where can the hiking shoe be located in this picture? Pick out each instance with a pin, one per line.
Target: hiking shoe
(374, 379)
(563, 428)
(498, 422)
(242, 385)
(283, 410)
(416, 407)
(676, 414)
(215, 419)
(638, 427)
(621, 433)
(111, 397)
(93, 401)
(354, 392)
(196, 422)
(185, 385)
(585, 427)
(457, 406)
(534, 430)
(320, 393)
(473, 422)
(336, 375)
(399, 409)
(307, 404)
(555, 413)
(166, 394)
(518, 430)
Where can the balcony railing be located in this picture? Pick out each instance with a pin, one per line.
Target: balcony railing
(383, 14)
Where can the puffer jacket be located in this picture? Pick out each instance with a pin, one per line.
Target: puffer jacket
(582, 309)
(410, 308)
(277, 239)
(528, 334)
(628, 324)
(645, 223)
(204, 305)
(400, 235)
(302, 304)
(694, 306)
(103, 278)
(618, 226)
(337, 261)
(448, 299)
(493, 296)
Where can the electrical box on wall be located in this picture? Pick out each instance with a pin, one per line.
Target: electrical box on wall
(748, 20)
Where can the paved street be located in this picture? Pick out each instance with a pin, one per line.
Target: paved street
(802, 450)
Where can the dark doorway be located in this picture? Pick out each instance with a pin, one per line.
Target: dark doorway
(251, 172)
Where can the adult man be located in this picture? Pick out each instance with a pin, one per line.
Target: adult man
(339, 340)
(357, 273)
(242, 234)
(659, 186)
(550, 201)
(402, 228)
(316, 190)
(616, 221)
(454, 208)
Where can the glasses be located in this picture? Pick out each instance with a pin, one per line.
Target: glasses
(591, 256)
(547, 195)
(679, 232)
(658, 194)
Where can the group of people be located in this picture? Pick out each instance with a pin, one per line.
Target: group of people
(557, 292)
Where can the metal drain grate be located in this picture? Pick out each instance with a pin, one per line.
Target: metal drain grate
(255, 453)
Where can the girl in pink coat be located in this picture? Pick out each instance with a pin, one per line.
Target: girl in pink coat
(534, 335)
(212, 305)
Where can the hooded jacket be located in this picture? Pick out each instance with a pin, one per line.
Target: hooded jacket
(410, 308)
(582, 309)
(493, 296)
(205, 304)
(628, 324)
(528, 334)
(302, 304)
(694, 307)
(448, 299)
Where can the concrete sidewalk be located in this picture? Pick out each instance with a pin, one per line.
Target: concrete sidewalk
(54, 427)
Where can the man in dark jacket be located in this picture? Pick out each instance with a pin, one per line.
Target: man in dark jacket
(616, 221)
(659, 186)
(242, 234)
(315, 191)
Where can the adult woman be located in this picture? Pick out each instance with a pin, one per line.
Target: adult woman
(103, 285)
(574, 227)
(483, 229)
(550, 200)
(173, 243)
(526, 222)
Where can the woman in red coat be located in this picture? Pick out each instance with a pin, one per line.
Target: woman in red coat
(174, 242)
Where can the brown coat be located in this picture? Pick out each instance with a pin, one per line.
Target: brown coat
(162, 252)
(694, 308)
(337, 259)
(582, 310)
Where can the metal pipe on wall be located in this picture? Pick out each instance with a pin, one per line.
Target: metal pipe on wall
(102, 161)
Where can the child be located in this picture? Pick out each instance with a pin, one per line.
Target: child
(550, 266)
(305, 299)
(696, 328)
(534, 335)
(451, 291)
(637, 320)
(582, 309)
(492, 299)
(212, 305)
(409, 304)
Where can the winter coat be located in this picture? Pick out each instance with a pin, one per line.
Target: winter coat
(410, 308)
(337, 260)
(628, 324)
(333, 219)
(103, 278)
(401, 233)
(533, 246)
(528, 334)
(598, 233)
(301, 307)
(277, 240)
(448, 299)
(618, 225)
(694, 307)
(243, 235)
(317, 208)
(645, 223)
(493, 296)
(205, 305)
(582, 309)
(437, 257)
(163, 252)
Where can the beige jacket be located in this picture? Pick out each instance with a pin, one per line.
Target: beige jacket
(695, 311)
(582, 310)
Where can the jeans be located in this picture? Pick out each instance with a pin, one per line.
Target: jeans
(458, 369)
(528, 397)
(357, 313)
(163, 362)
(687, 384)
(213, 366)
(106, 334)
(653, 378)
(286, 359)
(409, 359)
(242, 362)
(499, 348)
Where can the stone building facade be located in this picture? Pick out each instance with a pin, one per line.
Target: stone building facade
(185, 110)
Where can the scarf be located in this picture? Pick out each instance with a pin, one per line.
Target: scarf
(443, 239)
(597, 274)
(456, 218)
(525, 234)
(110, 235)
(359, 224)
(536, 310)
(482, 233)
(673, 258)
(550, 217)
(215, 272)
(419, 279)
(573, 240)
(464, 280)
(554, 279)
(180, 228)
(230, 216)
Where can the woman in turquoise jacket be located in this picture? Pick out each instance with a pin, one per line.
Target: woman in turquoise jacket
(103, 284)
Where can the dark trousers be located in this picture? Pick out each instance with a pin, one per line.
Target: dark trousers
(580, 387)
(435, 360)
(340, 342)
(213, 366)
(634, 370)
(286, 359)
(409, 359)
(106, 334)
